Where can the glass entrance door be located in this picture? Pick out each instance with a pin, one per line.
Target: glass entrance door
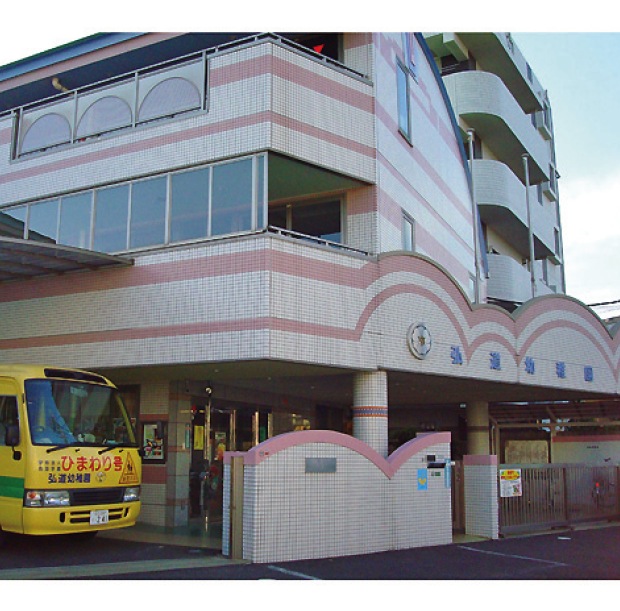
(218, 427)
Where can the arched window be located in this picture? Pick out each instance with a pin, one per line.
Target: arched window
(169, 97)
(104, 115)
(49, 130)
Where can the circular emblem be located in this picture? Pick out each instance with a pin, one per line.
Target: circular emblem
(419, 340)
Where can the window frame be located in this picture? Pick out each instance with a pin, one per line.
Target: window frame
(403, 97)
(408, 223)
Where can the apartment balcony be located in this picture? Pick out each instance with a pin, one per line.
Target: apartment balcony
(502, 204)
(496, 52)
(484, 102)
(509, 281)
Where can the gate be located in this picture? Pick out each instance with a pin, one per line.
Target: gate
(547, 496)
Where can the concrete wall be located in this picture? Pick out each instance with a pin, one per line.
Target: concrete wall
(361, 503)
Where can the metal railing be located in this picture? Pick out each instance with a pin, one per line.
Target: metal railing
(62, 117)
(560, 495)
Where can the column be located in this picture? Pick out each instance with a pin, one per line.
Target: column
(370, 410)
(480, 475)
(478, 428)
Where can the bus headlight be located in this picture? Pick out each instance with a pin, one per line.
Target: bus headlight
(131, 494)
(47, 498)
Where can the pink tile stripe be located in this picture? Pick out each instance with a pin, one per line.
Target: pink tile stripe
(389, 466)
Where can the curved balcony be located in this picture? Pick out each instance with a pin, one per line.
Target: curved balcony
(484, 102)
(508, 280)
(502, 204)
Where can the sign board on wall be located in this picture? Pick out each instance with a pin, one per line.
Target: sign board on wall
(510, 483)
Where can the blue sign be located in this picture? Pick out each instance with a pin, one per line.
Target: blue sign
(422, 479)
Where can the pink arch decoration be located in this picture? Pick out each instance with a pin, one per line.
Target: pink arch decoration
(389, 466)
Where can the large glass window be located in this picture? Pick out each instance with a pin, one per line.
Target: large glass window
(111, 214)
(223, 199)
(148, 213)
(43, 222)
(75, 217)
(231, 203)
(189, 205)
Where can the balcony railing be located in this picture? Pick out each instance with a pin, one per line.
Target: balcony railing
(152, 93)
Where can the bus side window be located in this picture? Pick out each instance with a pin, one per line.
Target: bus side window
(8, 415)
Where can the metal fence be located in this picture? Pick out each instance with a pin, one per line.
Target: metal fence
(558, 495)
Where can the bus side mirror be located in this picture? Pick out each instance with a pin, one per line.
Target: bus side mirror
(12, 439)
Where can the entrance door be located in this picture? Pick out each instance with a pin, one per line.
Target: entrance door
(218, 427)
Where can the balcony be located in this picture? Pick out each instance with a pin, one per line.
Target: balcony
(255, 94)
(498, 53)
(482, 100)
(502, 204)
(509, 281)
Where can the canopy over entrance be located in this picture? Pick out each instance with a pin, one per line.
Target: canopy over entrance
(21, 259)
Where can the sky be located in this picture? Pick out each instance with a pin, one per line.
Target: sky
(578, 63)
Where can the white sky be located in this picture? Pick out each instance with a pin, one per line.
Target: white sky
(581, 72)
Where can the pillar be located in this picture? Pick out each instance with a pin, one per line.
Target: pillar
(478, 428)
(370, 410)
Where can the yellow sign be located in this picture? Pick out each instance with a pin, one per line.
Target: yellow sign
(129, 475)
(199, 437)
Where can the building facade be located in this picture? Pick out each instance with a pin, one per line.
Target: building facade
(261, 234)
(506, 122)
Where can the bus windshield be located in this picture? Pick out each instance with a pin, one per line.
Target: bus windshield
(76, 413)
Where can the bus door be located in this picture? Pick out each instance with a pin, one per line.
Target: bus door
(12, 461)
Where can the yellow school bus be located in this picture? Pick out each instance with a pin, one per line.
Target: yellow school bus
(69, 460)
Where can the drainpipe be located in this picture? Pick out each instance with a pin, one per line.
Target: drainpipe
(470, 143)
(525, 158)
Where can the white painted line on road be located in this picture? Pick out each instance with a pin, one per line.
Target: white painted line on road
(484, 551)
(291, 573)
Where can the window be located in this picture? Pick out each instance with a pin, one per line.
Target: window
(43, 221)
(148, 213)
(409, 52)
(75, 216)
(215, 200)
(13, 221)
(231, 203)
(408, 233)
(8, 415)
(111, 215)
(189, 205)
(402, 92)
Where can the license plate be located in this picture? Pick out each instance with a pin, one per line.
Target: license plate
(99, 516)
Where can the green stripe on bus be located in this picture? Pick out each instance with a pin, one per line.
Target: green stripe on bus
(12, 487)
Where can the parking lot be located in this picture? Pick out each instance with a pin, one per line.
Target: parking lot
(591, 553)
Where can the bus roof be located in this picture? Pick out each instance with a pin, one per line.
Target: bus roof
(24, 371)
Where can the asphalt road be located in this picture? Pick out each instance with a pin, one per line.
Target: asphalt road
(588, 554)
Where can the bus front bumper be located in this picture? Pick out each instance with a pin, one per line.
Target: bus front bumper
(76, 519)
